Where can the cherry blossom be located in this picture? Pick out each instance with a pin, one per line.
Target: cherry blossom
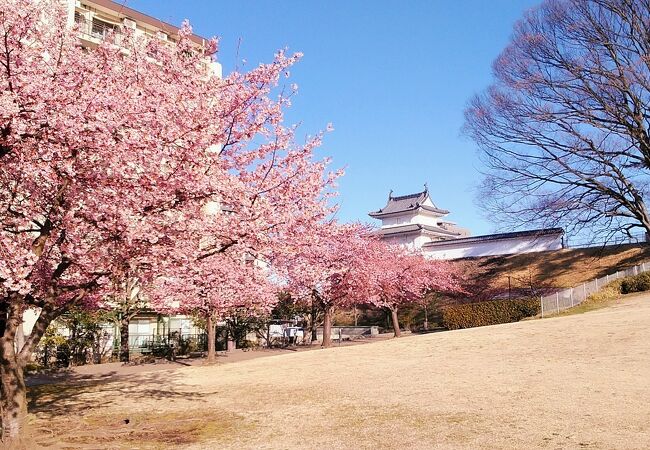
(113, 158)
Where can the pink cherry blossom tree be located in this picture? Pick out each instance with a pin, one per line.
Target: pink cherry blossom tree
(108, 158)
(230, 255)
(400, 277)
(330, 269)
(212, 289)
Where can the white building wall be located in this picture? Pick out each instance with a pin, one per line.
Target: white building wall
(426, 219)
(30, 316)
(421, 218)
(420, 240)
(402, 219)
(492, 248)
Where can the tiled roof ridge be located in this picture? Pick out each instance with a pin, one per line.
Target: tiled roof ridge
(498, 236)
(406, 197)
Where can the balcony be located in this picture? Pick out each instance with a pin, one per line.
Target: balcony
(95, 30)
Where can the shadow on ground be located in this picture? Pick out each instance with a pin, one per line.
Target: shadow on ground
(79, 413)
(79, 394)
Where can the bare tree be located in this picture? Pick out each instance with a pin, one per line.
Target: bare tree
(563, 131)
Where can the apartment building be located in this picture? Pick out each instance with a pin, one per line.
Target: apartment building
(98, 18)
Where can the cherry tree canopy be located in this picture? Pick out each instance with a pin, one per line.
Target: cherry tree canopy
(331, 268)
(399, 276)
(109, 158)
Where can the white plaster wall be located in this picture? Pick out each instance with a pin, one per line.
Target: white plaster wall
(490, 248)
(407, 241)
(427, 202)
(403, 219)
(422, 218)
(426, 219)
(419, 241)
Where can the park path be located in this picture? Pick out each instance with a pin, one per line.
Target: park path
(580, 381)
(115, 370)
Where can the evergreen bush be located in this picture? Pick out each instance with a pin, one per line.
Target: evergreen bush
(489, 313)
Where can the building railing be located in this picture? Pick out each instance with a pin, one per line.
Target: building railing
(568, 298)
(98, 29)
(636, 238)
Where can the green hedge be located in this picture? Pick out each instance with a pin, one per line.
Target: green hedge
(637, 283)
(489, 313)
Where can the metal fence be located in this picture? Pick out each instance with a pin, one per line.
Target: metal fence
(601, 241)
(161, 345)
(568, 298)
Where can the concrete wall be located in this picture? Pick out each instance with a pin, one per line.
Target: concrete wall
(454, 250)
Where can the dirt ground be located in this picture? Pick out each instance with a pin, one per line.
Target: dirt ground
(580, 381)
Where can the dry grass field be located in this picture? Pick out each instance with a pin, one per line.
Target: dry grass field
(580, 381)
(557, 268)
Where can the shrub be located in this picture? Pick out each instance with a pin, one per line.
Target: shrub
(610, 292)
(637, 283)
(488, 313)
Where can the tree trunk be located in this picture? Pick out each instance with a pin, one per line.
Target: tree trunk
(13, 400)
(426, 318)
(327, 327)
(393, 318)
(12, 386)
(124, 338)
(211, 330)
(314, 331)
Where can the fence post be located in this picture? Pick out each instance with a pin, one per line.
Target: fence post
(541, 303)
(584, 291)
(572, 298)
(635, 271)
(596, 284)
(557, 301)
(606, 279)
(643, 266)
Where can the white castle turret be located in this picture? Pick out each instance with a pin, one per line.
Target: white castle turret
(414, 220)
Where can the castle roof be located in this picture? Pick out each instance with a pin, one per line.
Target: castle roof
(415, 228)
(497, 237)
(405, 203)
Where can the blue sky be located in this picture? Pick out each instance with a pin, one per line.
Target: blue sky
(392, 76)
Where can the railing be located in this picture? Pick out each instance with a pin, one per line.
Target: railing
(98, 29)
(161, 345)
(636, 238)
(568, 298)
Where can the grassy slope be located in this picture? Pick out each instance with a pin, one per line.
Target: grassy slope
(559, 268)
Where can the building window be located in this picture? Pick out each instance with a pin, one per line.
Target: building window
(100, 28)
